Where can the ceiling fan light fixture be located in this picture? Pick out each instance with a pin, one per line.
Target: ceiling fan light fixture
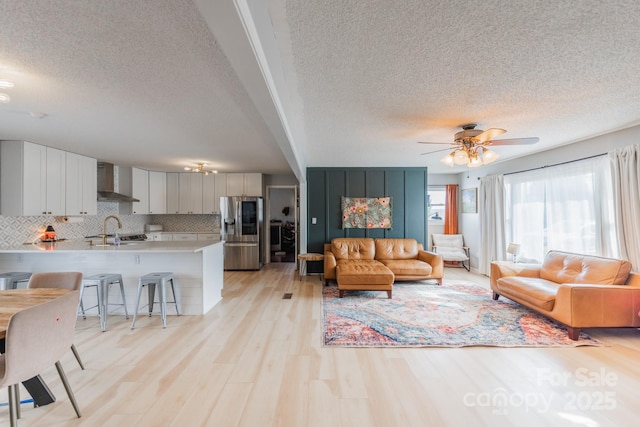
(475, 162)
(460, 157)
(470, 146)
(448, 160)
(489, 156)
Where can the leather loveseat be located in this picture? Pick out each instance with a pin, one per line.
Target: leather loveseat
(579, 291)
(375, 264)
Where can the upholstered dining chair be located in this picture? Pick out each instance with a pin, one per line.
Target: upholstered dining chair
(451, 247)
(36, 338)
(63, 280)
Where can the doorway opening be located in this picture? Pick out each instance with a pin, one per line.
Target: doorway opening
(281, 215)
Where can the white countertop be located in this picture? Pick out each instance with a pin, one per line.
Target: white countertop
(85, 247)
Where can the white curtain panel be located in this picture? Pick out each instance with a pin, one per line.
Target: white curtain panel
(491, 208)
(625, 176)
(565, 207)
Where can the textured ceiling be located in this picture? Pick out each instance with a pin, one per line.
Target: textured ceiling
(136, 82)
(374, 77)
(160, 84)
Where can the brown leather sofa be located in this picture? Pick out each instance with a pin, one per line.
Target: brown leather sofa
(579, 291)
(368, 264)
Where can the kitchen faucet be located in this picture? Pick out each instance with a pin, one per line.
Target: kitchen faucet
(104, 228)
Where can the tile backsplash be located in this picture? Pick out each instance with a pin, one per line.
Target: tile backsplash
(16, 230)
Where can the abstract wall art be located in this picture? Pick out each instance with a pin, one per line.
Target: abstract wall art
(365, 212)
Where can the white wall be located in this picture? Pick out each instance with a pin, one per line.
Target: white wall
(469, 224)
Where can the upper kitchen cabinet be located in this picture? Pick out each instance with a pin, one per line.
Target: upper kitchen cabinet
(157, 192)
(244, 184)
(140, 190)
(214, 186)
(173, 193)
(32, 179)
(81, 184)
(190, 193)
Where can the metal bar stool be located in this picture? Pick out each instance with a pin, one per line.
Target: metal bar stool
(10, 280)
(103, 282)
(151, 280)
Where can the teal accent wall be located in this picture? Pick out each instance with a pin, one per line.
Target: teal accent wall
(325, 187)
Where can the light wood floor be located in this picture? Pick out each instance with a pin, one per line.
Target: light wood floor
(257, 360)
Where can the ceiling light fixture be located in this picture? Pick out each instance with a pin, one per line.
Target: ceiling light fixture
(5, 84)
(471, 153)
(199, 169)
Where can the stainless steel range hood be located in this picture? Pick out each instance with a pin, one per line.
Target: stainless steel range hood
(109, 184)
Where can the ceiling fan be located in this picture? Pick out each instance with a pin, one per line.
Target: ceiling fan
(471, 146)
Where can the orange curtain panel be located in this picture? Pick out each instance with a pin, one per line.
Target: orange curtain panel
(451, 210)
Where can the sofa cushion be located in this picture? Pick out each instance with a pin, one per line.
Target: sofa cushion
(540, 293)
(565, 267)
(396, 249)
(407, 267)
(353, 248)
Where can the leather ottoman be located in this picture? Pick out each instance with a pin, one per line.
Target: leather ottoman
(364, 275)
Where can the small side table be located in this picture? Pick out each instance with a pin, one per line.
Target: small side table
(308, 257)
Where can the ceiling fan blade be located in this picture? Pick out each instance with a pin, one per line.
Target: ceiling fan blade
(437, 151)
(422, 142)
(489, 134)
(515, 141)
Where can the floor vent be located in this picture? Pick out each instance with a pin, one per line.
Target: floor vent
(287, 296)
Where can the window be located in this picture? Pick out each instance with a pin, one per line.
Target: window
(436, 197)
(567, 207)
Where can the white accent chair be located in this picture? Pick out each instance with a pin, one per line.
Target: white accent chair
(451, 247)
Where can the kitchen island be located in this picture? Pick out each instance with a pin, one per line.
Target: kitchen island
(197, 267)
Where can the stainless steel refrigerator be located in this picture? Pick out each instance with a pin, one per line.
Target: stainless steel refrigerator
(241, 229)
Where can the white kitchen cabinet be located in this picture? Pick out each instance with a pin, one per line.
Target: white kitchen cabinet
(173, 193)
(185, 236)
(235, 184)
(157, 192)
(190, 193)
(244, 184)
(140, 190)
(220, 190)
(32, 179)
(214, 186)
(253, 184)
(208, 194)
(55, 182)
(158, 236)
(81, 183)
(208, 236)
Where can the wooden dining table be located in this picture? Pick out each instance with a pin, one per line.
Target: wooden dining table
(13, 301)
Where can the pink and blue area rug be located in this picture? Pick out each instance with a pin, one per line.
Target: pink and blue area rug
(456, 314)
